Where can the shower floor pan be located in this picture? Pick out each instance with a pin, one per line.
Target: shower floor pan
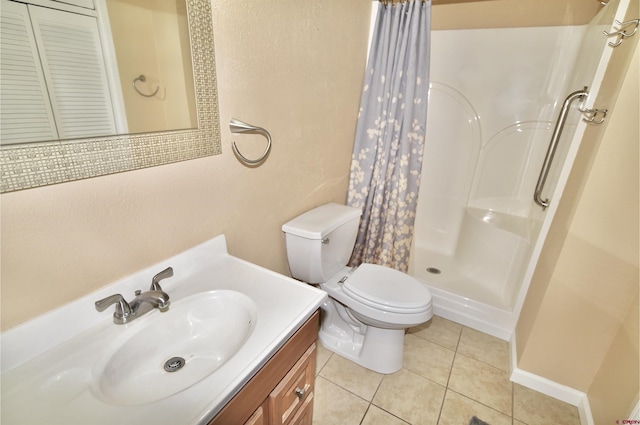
(476, 285)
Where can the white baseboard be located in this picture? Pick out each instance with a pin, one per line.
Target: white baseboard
(548, 387)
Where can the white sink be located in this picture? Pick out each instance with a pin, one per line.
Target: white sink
(73, 365)
(167, 352)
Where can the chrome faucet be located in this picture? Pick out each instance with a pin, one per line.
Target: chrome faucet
(155, 281)
(143, 302)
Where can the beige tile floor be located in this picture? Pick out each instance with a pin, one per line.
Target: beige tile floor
(450, 374)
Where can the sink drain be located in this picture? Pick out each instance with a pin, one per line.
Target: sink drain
(434, 270)
(174, 364)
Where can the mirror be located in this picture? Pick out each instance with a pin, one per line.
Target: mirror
(153, 55)
(29, 165)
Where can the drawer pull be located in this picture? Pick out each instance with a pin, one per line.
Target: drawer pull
(300, 392)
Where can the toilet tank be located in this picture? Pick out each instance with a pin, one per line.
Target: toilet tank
(320, 241)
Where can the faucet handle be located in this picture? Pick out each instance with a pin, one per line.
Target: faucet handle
(155, 285)
(122, 306)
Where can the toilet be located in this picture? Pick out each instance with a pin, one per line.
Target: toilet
(369, 307)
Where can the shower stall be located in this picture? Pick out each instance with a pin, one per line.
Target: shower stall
(494, 101)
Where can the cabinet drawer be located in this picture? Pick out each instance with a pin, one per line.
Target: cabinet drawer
(294, 389)
(305, 413)
(257, 418)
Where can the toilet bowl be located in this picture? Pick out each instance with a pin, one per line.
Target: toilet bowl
(369, 307)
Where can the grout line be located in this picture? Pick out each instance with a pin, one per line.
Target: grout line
(446, 388)
(390, 413)
(459, 337)
(372, 398)
(455, 355)
(435, 341)
(474, 358)
(365, 413)
(346, 389)
(377, 388)
(481, 403)
(513, 403)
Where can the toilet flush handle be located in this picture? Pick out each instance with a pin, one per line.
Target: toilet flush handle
(325, 241)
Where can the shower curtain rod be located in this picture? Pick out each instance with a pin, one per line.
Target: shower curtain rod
(433, 2)
(386, 2)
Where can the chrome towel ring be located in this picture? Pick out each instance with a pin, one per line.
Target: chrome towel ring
(237, 126)
(142, 78)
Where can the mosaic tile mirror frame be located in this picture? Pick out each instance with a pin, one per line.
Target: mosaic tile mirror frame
(33, 165)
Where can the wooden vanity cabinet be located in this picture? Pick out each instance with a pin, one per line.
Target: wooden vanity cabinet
(282, 392)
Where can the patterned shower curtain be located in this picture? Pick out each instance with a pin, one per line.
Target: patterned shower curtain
(390, 132)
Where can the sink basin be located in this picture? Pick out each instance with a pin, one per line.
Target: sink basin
(166, 352)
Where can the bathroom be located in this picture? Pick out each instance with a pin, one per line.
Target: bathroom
(295, 68)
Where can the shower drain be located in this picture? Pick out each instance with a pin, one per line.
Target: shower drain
(174, 364)
(434, 270)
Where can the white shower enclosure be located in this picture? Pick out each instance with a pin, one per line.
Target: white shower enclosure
(494, 100)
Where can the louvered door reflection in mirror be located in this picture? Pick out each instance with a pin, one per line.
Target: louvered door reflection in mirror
(54, 84)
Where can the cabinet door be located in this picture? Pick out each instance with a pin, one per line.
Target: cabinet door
(74, 68)
(26, 111)
(294, 390)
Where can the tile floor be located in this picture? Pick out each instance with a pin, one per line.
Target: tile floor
(451, 373)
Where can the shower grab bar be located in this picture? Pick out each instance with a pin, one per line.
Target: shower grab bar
(237, 126)
(553, 145)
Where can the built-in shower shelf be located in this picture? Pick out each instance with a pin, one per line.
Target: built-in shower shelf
(515, 224)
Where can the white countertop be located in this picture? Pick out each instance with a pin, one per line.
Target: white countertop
(47, 363)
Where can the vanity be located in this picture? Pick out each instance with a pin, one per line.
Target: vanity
(282, 391)
(237, 345)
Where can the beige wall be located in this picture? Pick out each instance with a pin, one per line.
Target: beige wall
(579, 324)
(469, 14)
(293, 67)
(614, 390)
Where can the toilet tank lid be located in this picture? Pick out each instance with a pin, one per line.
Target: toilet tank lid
(319, 222)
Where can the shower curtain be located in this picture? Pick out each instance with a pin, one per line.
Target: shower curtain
(387, 154)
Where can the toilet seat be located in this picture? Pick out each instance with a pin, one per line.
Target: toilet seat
(387, 289)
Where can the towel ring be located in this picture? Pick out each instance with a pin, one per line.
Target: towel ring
(237, 126)
(142, 78)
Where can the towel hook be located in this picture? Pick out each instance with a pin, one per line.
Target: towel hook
(142, 78)
(591, 114)
(621, 33)
(237, 126)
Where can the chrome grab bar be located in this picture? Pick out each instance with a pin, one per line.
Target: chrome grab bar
(237, 126)
(553, 145)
